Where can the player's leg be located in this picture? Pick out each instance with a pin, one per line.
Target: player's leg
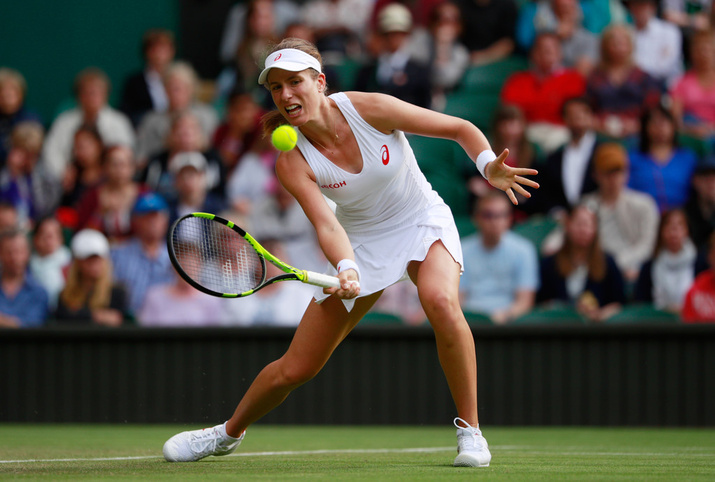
(437, 280)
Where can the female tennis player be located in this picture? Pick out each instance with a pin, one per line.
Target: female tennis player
(389, 224)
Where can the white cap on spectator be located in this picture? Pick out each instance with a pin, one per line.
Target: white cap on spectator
(89, 242)
(395, 17)
(187, 159)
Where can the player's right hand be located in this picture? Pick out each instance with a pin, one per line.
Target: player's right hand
(349, 285)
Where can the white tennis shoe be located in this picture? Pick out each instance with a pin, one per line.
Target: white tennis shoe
(472, 448)
(196, 444)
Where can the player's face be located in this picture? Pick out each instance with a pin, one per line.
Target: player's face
(296, 94)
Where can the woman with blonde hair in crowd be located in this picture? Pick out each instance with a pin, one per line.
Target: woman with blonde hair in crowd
(13, 89)
(90, 295)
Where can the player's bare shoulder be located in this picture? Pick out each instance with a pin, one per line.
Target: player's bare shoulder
(375, 108)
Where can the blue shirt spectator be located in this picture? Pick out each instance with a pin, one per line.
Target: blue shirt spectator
(668, 183)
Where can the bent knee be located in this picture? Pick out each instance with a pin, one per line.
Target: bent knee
(295, 374)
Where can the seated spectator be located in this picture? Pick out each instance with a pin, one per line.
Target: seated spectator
(488, 29)
(666, 277)
(185, 137)
(690, 16)
(92, 91)
(23, 302)
(240, 126)
(107, 207)
(627, 219)
(278, 304)
(699, 304)
(500, 268)
(339, 25)
(700, 208)
(658, 43)
(618, 90)
(49, 258)
(144, 90)
(659, 167)
(180, 304)
(581, 273)
(693, 95)
(567, 174)
(563, 17)
(394, 71)
(24, 182)
(85, 169)
(541, 91)
(13, 111)
(143, 261)
(180, 82)
(189, 172)
(9, 219)
(447, 58)
(89, 295)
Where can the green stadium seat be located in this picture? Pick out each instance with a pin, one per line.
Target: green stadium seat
(701, 148)
(476, 318)
(535, 228)
(556, 315)
(489, 79)
(380, 318)
(475, 107)
(642, 313)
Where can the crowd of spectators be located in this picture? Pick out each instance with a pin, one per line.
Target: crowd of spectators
(615, 106)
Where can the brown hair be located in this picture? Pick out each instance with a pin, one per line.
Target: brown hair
(509, 112)
(274, 118)
(89, 74)
(155, 36)
(664, 220)
(28, 136)
(75, 297)
(596, 256)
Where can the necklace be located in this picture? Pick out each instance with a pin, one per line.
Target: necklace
(336, 139)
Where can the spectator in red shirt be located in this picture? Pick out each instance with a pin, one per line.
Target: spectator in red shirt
(699, 305)
(541, 91)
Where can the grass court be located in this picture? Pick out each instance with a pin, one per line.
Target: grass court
(370, 453)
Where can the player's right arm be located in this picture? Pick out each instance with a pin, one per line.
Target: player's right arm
(298, 178)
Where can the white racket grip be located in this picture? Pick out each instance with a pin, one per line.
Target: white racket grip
(322, 280)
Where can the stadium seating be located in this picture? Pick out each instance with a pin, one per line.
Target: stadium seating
(557, 315)
(642, 313)
(477, 319)
(380, 318)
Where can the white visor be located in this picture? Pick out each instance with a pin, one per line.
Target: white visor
(293, 60)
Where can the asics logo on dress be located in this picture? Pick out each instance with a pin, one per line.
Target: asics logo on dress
(335, 185)
(385, 153)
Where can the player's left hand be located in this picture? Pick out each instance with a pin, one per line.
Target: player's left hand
(349, 285)
(510, 179)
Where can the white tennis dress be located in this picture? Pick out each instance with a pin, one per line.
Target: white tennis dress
(389, 211)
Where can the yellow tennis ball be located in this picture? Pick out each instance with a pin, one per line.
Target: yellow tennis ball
(284, 138)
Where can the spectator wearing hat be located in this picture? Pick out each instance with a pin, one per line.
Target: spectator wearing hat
(189, 173)
(658, 43)
(90, 296)
(699, 304)
(394, 71)
(627, 219)
(23, 302)
(700, 208)
(143, 261)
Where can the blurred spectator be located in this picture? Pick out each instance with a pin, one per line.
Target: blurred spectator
(13, 90)
(144, 90)
(394, 71)
(567, 174)
(419, 10)
(541, 91)
(693, 95)
(690, 15)
(665, 278)
(700, 208)
(332, 74)
(581, 273)
(278, 304)
(659, 167)
(627, 219)
(90, 296)
(143, 261)
(23, 302)
(241, 125)
(107, 207)
(500, 268)
(49, 258)
(488, 29)
(699, 304)
(85, 169)
(561, 17)
(280, 217)
(185, 137)
(659, 44)
(618, 90)
(447, 58)
(91, 88)
(24, 182)
(339, 25)
(8, 217)
(189, 173)
(181, 82)
(285, 12)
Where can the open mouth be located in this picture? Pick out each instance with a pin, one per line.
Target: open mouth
(293, 110)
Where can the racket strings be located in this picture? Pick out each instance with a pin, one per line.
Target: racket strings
(216, 257)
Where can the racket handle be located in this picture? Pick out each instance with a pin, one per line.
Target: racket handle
(322, 280)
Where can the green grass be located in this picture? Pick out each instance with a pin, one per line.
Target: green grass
(359, 453)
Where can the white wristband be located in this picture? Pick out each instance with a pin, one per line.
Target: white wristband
(348, 264)
(483, 159)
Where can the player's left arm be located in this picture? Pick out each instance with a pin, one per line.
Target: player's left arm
(386, 114)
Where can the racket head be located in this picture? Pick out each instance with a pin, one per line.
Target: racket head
(214, 256)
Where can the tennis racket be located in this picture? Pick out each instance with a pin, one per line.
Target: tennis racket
(219, 258)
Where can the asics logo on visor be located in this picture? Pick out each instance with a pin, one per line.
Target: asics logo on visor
(277, 57)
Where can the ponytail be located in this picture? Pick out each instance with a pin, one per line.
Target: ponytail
(271, 121)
